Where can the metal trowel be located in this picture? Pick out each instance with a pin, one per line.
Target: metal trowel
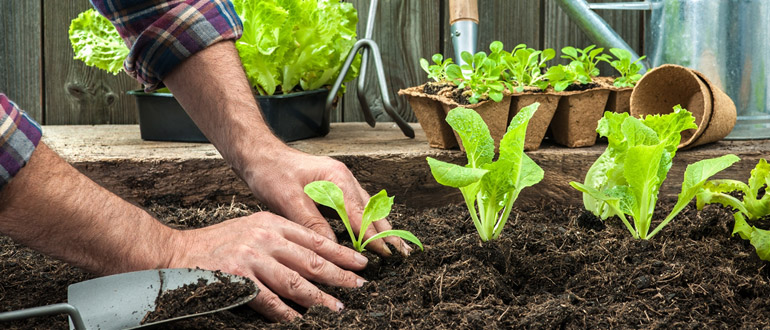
(121, 301)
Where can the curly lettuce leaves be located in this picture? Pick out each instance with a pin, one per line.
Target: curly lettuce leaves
(489, 187)
(626, 179)
(748, 209)
(291, 43)
(96, 42)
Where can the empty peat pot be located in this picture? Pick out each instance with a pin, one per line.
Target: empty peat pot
(668, 85)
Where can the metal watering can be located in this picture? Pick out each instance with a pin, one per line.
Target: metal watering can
(726, 40)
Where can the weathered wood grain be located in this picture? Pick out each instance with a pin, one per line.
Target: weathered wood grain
(75, 93)
(405, 31)
(560, 31)
(20, 54)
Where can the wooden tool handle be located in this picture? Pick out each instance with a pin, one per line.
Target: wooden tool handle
(463, 10)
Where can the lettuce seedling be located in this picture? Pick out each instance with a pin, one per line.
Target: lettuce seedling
(437, 71)
(626, 178)
(562, 76)
(755, 204)
(524, 65)
(629, 71)
(588, 58)
(96, 42)
(489, 188)
(328, 194)
(484, 79)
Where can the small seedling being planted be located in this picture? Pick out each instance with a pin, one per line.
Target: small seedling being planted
(625, 179)
(629, 71)
(489, 188)
(755, 204)
(328, 194)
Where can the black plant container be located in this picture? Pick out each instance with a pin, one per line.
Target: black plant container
(292, 117)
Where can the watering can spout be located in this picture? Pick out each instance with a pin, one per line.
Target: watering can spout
(596, 28)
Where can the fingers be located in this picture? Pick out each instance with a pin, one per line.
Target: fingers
(331, 251)
(305, 213)
(314, 267)
(291, 285)
(270, 305)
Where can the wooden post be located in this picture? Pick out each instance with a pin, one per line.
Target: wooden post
(463, 10)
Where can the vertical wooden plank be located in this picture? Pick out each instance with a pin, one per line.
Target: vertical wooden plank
(511, 22)
(20, 47)
(560, 31)
(405, 31)
(75, 93)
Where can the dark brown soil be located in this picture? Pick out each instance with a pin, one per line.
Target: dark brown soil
(580, 87)
(461, 96)
(434, 88)
(198, 297)
(553, 267)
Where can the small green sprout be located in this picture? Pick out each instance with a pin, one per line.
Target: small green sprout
(629, 71)
(588, 58)
(436, 71)
(328, 194)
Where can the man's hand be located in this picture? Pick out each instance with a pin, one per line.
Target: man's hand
(280, 184)
(212, 88)
(279, 255)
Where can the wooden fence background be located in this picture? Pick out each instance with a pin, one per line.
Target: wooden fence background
(37, 70)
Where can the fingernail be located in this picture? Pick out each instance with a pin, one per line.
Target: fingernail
(360, 259)
(387, 251)
(340, 306)
(360, 282)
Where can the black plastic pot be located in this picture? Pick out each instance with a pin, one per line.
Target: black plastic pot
(292, 116)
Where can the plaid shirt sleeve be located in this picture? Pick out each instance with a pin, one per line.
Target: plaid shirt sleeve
(20, 135)
(162, 34)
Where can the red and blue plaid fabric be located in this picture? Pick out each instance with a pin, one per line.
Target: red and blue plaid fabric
(162, 34)
(19, 136)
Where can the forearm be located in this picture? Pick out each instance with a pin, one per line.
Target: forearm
(213, 89)
(51, 207)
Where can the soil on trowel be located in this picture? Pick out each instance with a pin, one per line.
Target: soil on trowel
(554, 267)
(198, 297)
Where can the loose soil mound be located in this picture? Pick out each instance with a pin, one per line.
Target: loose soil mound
(199, 297)
(554, 267)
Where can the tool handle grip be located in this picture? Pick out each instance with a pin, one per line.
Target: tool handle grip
(463, 10)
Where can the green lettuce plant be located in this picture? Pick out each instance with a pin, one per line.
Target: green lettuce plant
(524, 67)
(328, 194)
(626, 178)
(562, 76)
(629, 71)
(752, 206)
(285, 44)
(96, 42)
(436, 71)
(587, 57)
(489, 187)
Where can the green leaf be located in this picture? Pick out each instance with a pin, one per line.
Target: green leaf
(760, 239)
(695, 177)
(741, 227)
(512, 143)
(453, 175)
(474, 133)
(395, 232)
(96, 42)
(378, 207)
(329, 194)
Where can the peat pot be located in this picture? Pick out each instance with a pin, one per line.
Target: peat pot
(725, 40)
(292, 117)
